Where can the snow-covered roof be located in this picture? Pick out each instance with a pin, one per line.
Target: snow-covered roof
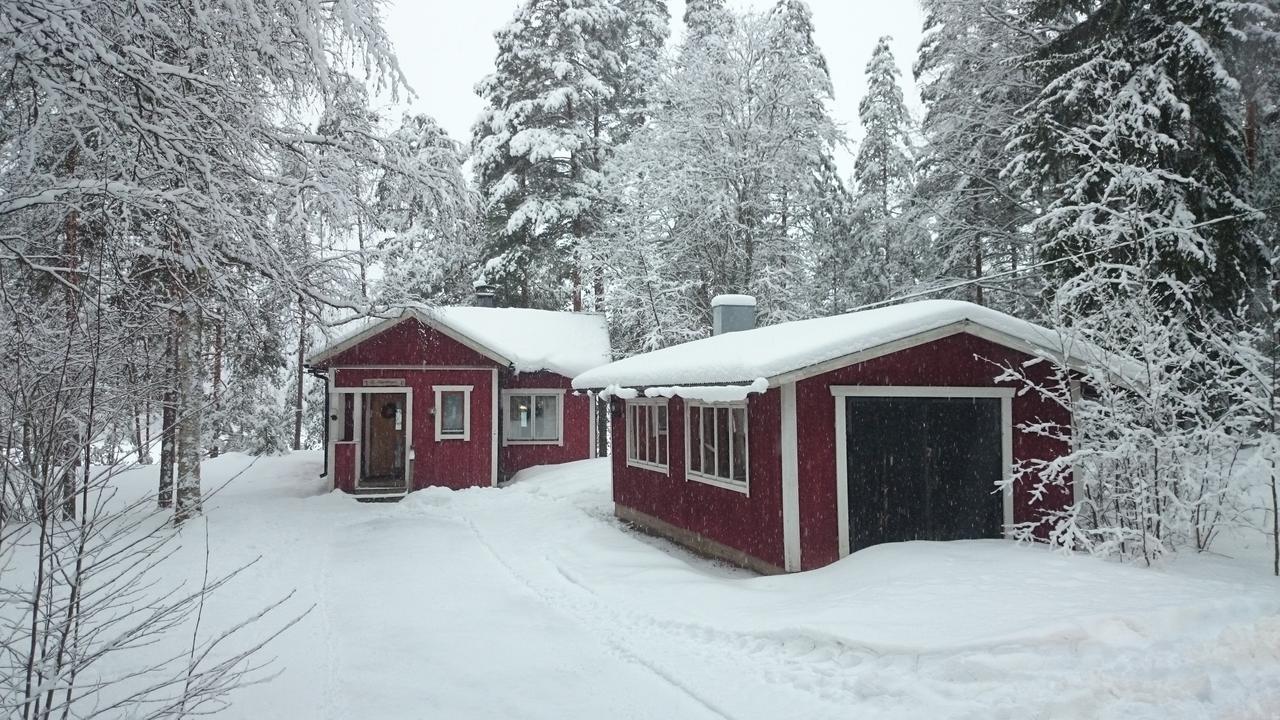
(780, 353)
(565, 343)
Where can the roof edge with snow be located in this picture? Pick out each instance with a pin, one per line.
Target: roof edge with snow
(522, 339)
(345, 344)
(842, 341)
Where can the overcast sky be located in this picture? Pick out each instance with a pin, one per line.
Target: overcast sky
(445, 46)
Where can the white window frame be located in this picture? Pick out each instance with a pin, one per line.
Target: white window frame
(440, 390)
(840, 392)
(558, 393)
(630, 429)
(743, 487)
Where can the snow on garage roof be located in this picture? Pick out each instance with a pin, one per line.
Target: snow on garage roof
(780, 352)
(527, 340)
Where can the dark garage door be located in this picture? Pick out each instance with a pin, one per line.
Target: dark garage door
(923, 469)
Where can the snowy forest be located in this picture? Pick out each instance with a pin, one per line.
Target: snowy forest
(194, 195)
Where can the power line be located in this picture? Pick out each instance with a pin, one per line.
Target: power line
(1037, 266)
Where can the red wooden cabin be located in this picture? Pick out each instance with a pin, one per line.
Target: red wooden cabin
(457, 397)
(785, 448)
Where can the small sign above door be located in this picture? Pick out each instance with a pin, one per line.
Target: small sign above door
(384, 382)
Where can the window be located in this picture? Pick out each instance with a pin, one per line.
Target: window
(647, 440)
(342, 414)
(716, 444)
(533, 417)
(453, 412)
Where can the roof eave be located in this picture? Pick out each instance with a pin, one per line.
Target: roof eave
(968, 326)
(388, 323)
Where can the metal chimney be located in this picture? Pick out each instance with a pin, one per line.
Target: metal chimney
(731, 313)
(485, 296)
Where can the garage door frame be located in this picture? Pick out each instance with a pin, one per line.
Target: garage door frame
(841, 392)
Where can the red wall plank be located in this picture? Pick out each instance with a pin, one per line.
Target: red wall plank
(410, 343)
(344, 466)
(577, 425)
(752, 524)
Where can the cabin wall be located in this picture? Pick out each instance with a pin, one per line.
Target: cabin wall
(958, 360)
(410, 343)
(446, 463)
(748, 523)
(576, 431)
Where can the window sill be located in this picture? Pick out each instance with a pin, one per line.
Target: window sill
(532, 442)
(651, 467)
(442, 438)
(740, 487)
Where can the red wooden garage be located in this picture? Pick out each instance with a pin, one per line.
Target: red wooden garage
(457, 396)
(786, 447)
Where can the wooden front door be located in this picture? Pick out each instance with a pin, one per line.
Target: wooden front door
(385, 422)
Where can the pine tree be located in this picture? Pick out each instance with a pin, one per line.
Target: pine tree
(890, 251)
(564, 72)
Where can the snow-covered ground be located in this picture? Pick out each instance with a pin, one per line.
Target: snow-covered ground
(531, 601)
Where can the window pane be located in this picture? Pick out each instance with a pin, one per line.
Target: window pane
(739, 416)
(519, 418)
(546, 417)
(642, 433)
(661, 412)
(722, 442)
(709, 440)
(347, 401)
(631, 432)
(452, 412)
(694, 439)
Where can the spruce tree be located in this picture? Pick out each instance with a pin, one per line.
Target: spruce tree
(566, 78)
(1136, 146)
(705, 17)
(889, 251)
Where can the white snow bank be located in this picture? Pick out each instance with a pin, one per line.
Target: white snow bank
(566, 343)
(710, 393)
(532, 601)
(719, 300)
(740, 357)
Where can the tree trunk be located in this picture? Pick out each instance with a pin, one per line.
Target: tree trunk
(977, 269)
(216, 404)
(190, 413)
(71, 261)
(169, 414)
(364, 260)
(302, 374)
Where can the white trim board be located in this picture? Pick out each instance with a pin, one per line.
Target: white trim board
(790, 449)
(493, 433)
(841, 392)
